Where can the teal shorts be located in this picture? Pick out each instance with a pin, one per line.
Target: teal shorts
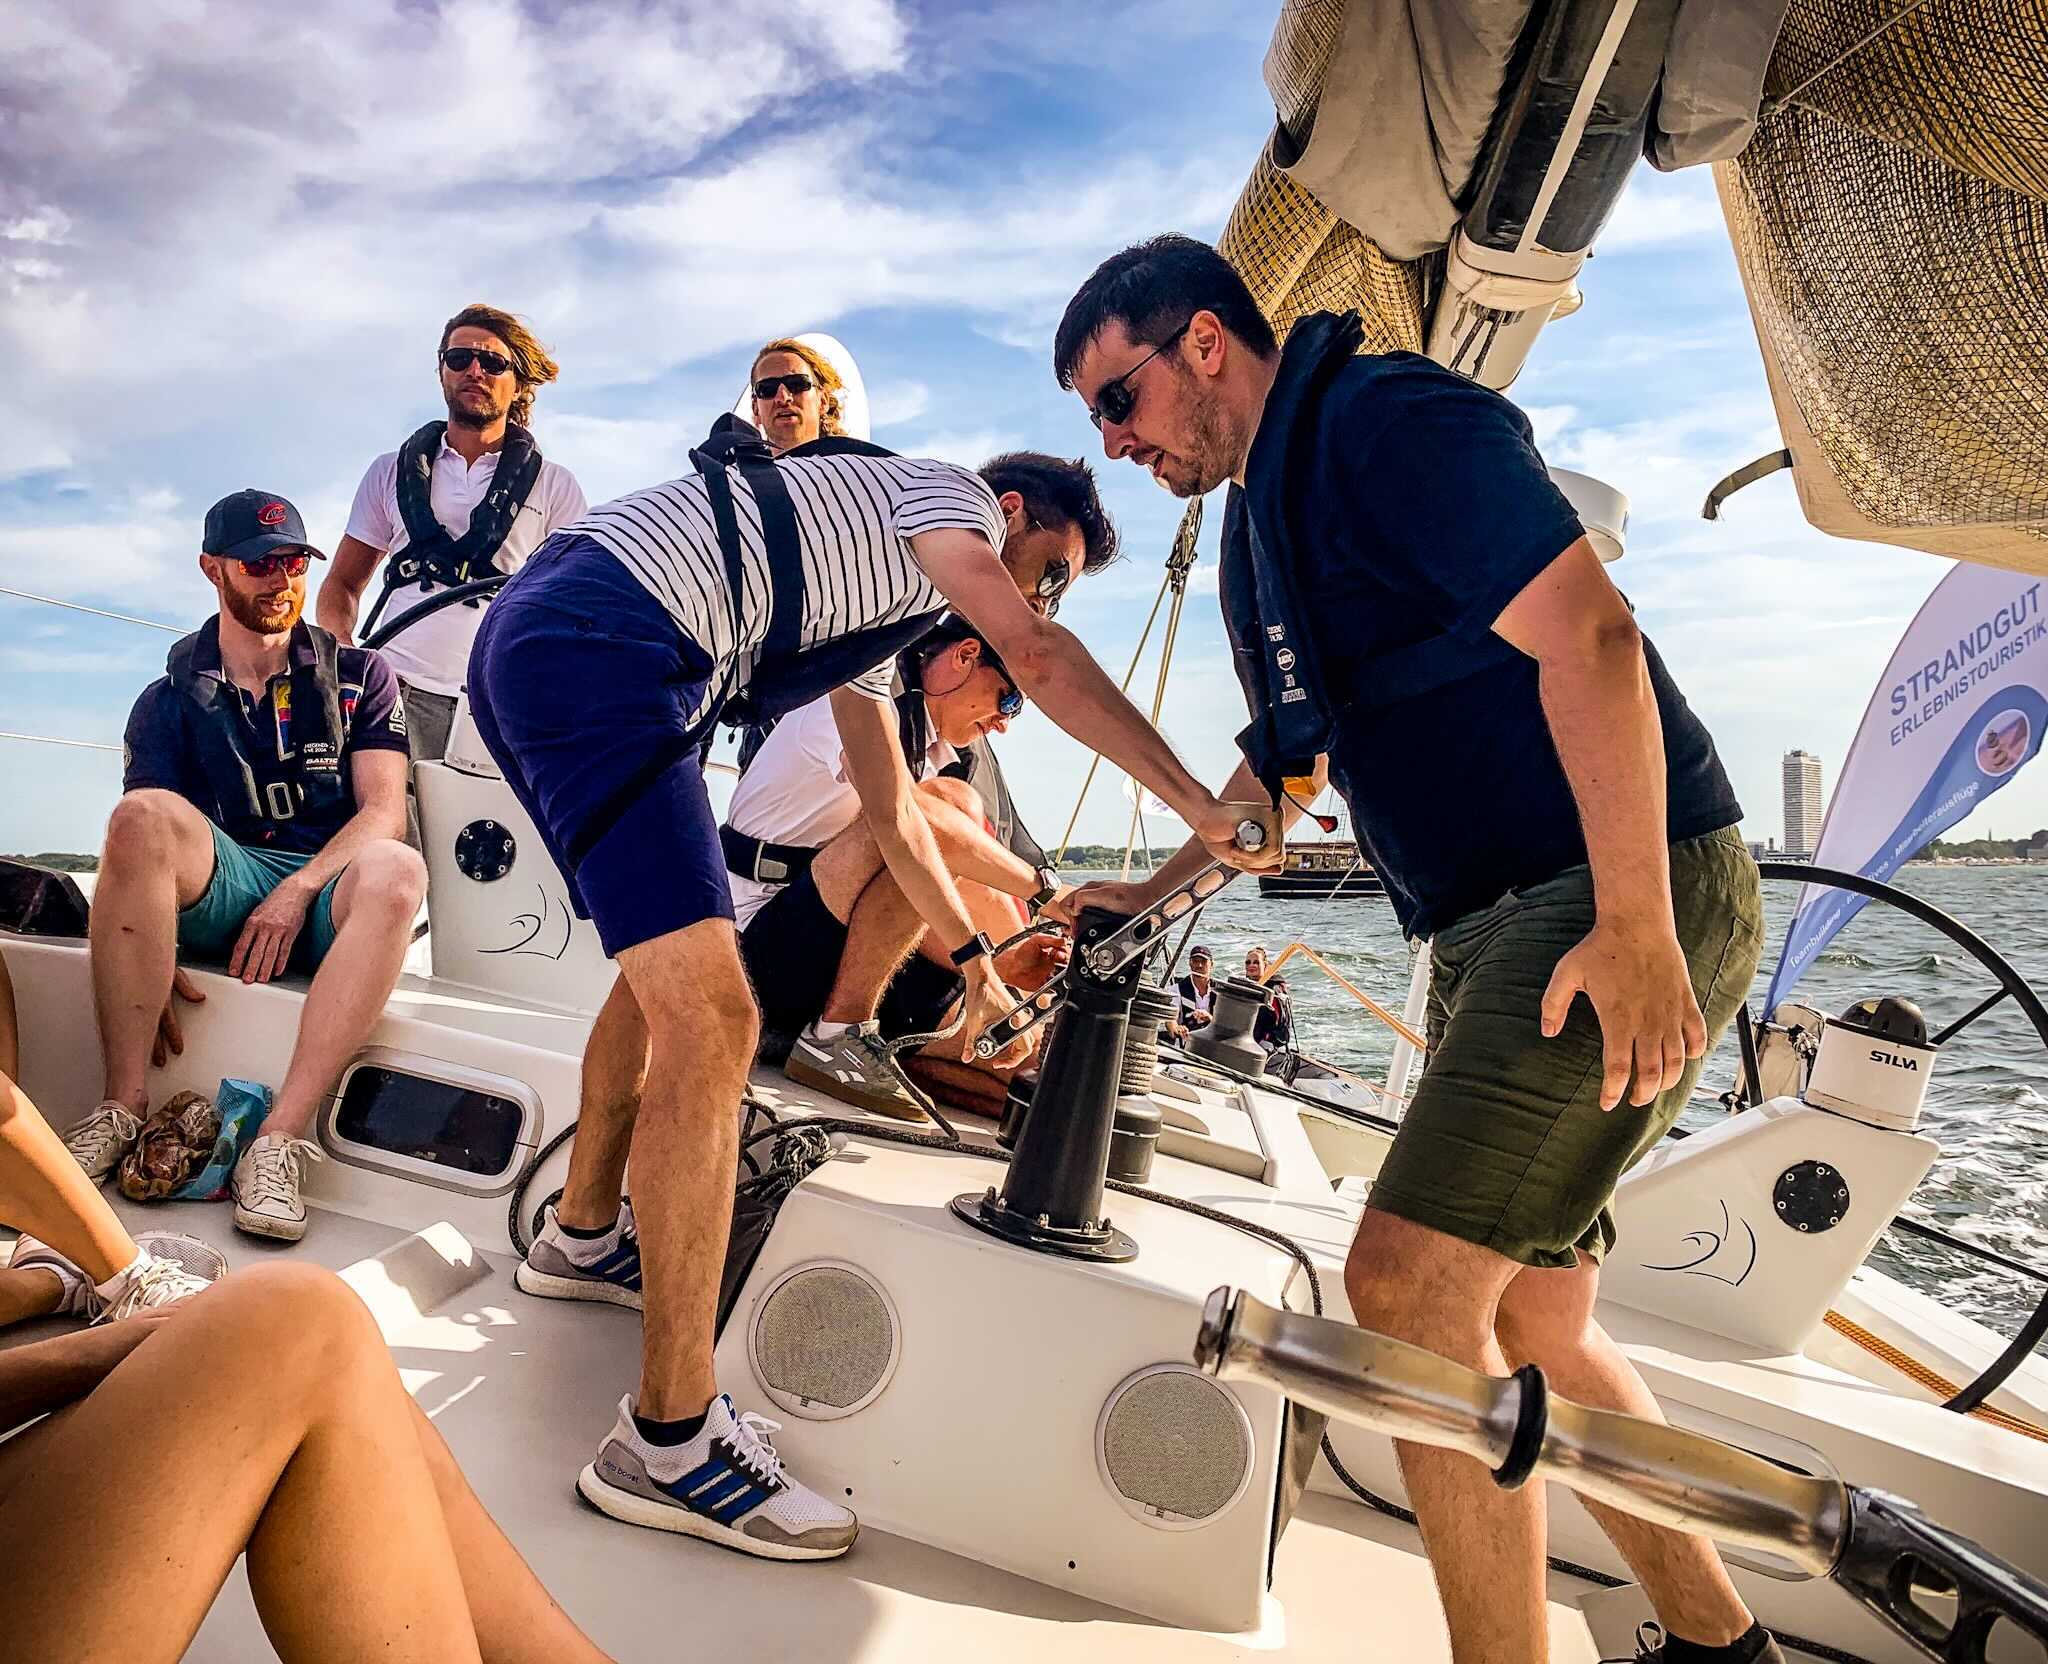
(242, 877)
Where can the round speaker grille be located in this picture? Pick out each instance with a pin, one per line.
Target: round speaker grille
(824, 1340)
(1174, 1446)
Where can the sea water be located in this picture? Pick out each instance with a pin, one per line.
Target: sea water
(1987, 1104)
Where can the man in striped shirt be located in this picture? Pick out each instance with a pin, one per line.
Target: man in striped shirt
(594, 680)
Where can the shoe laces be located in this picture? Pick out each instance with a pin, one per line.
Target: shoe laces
(276, 1164)
(753, 1443)
(108, 1127)
(155, 1283)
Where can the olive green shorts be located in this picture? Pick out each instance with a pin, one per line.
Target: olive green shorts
(1505, 1143)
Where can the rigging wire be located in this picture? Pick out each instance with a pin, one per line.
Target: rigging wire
(46, 739)
(1095, 762)
(97, 612)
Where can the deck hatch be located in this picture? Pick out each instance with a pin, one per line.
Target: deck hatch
(437, 1122)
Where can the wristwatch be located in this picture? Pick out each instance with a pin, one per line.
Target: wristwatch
(975, 947)
(1048, 887)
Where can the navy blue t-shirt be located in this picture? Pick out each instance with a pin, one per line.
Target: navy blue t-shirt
(162, 752)
(1423, 510)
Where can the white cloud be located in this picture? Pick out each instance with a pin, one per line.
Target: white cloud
(904, 401)
(969, 447)
(1658, 210)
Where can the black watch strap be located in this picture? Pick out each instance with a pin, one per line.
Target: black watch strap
(975, 947)
(1048, 887)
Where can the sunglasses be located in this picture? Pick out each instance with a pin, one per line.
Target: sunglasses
(1114, 400)
(1011, 704)
(268, 566)
(798, 385)
(459, 360)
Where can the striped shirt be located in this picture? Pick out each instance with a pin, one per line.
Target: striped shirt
(855, 517)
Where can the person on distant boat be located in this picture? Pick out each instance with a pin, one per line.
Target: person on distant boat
(1413, 605)
(262, 821)
(1273, 1028)
(361, 1537)
(795, 395)
(460, 500)
(1197, 990)
(594, 680)
(825, 931)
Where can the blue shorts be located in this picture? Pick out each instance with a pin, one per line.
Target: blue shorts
(582, 686)
(242, 877)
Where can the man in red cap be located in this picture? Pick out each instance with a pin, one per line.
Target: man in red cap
(263, 822)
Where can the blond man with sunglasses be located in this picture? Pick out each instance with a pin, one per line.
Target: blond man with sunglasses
(795, 394)
(263, 824)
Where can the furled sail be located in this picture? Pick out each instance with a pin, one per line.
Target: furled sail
(1444, 167)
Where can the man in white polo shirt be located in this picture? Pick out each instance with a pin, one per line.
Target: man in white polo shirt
(461, 499)
(825, 931)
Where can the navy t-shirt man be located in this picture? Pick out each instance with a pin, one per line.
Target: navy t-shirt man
(1429, 510)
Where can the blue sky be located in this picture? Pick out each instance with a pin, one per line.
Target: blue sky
(228, 236)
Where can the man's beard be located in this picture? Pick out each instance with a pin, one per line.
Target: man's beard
(1209, 459)
(462, 414)
(249, 610)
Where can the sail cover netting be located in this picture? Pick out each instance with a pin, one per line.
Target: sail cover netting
(1891, 221)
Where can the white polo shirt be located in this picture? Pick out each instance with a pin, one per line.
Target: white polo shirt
(434, 654)
(796, 792)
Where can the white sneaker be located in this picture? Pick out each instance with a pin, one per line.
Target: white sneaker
(174, 1267)
(266, 1186)
(177, 1267)
(103, 1138)
(727, 1485)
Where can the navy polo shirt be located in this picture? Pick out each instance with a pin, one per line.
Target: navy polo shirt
(162, 751)
(1422, 509)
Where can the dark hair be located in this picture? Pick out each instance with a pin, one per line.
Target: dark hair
(1153, 288)
(530, 360)
(1057, 493)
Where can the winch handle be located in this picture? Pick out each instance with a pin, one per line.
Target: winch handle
(1251, 837)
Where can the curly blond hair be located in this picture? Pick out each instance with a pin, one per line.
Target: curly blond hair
(831, 413)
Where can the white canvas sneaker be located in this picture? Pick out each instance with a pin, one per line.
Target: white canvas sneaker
(102, 1139)
(266, 1189)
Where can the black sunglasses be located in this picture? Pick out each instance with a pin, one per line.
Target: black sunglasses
(1114, 400)
(459, 360)
(798, 385)
(1011, 703)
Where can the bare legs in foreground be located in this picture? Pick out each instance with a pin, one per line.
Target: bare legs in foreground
(1486, 1546)
(274, 1423)
(158, 860)
(293, 1441)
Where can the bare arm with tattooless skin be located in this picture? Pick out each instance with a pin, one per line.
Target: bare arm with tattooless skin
(1602, 714)
(1055, 670)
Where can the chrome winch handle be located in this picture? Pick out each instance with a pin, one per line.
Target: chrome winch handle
(1132, 939)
